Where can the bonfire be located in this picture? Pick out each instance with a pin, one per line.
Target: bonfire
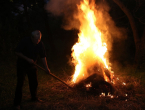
(89, 54)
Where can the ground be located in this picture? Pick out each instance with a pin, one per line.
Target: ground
(57, 96)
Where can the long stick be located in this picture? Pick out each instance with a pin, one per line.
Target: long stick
(55, 76)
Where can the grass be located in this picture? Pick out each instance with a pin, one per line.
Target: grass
(57, 96)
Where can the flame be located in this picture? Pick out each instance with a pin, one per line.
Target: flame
(90, 48)
(89, 85)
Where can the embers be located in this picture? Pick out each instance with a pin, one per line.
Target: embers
(94, 84)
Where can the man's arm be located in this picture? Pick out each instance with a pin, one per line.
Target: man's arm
(44, 61)
(24, 57)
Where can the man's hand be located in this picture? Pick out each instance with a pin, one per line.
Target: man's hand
(44, 61)
(47, 71)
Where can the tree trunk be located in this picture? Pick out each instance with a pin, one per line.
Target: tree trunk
(141, 52)
(137, 40)
(131, 21)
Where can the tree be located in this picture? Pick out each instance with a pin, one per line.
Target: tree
(139, 39)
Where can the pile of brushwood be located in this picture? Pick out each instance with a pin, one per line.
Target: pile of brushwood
(97, 84)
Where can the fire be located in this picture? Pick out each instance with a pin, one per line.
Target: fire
(90, 48)
(89, 85)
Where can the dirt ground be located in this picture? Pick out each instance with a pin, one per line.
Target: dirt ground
(128, 95)
(59, 97)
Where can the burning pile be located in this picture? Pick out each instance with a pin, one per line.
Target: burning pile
(92, 71)
(96, 33)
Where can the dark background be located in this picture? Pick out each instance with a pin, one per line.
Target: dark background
(16, 24)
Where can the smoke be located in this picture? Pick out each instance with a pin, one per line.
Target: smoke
(69, 10)
(106, 24)
(73, 19)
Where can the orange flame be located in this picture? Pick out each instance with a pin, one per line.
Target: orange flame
(90, 48)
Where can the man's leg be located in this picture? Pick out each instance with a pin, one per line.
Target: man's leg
(33, 82)
(20, 82)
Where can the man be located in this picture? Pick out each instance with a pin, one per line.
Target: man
(27, 51)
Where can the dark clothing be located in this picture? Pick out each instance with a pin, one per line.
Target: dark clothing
(33, 83)
(27, 48)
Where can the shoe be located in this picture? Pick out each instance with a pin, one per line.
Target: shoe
(17, 107)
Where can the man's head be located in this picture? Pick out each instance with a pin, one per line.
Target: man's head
(36, 37)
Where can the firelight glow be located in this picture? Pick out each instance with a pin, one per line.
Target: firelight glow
(90, 48)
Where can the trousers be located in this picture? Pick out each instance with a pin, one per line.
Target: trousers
(31, 72)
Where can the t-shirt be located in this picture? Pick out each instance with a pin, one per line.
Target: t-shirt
(27, 48)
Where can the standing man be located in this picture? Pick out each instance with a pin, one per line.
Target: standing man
(27, 51)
